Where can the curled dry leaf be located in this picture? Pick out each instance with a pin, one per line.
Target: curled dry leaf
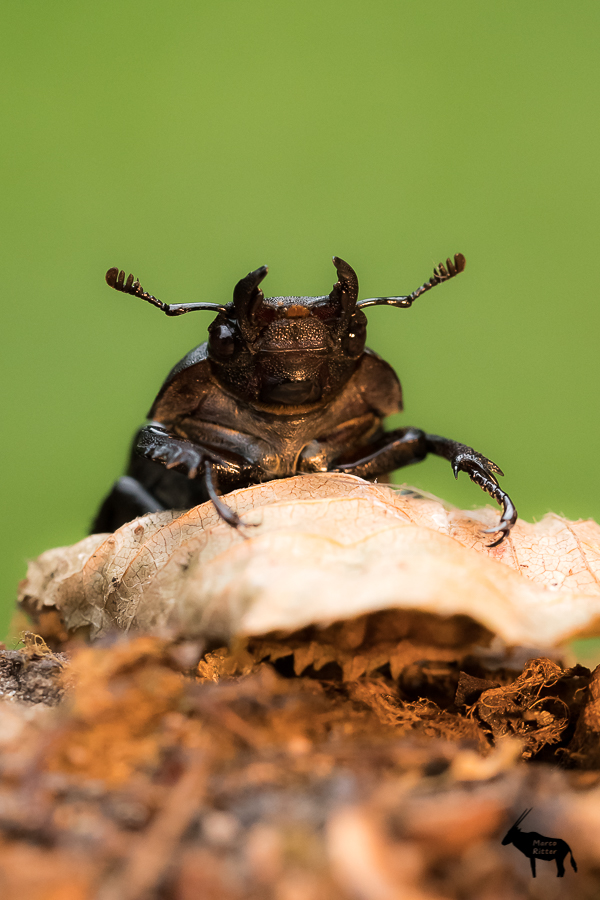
(326, 549)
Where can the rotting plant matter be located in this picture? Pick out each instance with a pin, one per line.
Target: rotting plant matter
(339, 706)
(235, 778)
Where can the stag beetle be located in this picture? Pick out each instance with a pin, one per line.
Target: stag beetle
(284, 386)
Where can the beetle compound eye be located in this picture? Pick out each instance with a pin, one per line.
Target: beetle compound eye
(222, 341)
(353, 342)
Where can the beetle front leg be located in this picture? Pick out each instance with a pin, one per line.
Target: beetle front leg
(393, 450)
(223, 510)
(404, 446)
(481, 471)
(156, 443)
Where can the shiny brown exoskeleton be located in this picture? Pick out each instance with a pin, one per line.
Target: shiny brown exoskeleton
(284, 386)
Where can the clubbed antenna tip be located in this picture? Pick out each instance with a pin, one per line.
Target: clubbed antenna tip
(116, 279)
(441, 273)
(452, 268)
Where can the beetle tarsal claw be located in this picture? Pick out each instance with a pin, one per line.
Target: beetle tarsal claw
(509, 518)
(502, 530)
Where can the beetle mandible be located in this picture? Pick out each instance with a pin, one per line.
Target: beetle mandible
(284, 385)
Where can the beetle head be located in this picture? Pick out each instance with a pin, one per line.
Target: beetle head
(289, 351)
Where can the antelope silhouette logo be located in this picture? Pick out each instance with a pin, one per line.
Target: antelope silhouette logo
(536, 846)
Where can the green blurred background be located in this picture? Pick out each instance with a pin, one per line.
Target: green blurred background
(189, 142)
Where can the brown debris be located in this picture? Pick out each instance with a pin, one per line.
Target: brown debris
(584, 750)
(150, 855)
(31, 673)
(534, 707)
(470, 688)
(121, 695)
(246, 780)
(339, 705)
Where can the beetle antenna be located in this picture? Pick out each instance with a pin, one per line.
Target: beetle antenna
(441, 273)
(116, 279)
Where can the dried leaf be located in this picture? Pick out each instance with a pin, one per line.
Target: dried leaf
(329, 548)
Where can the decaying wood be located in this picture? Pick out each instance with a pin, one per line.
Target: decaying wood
(335, 702)
(240, 780)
